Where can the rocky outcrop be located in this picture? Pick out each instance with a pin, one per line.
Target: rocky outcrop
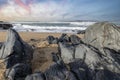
(75, 59)
(89, 54)
(15, 50)
(17, 56)
(5, 25)
(102, 35)
(87, 62)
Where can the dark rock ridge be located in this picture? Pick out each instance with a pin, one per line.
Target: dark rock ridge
(103, 34)
(5, 25)
(15, 50)
(52, 40)
(64, 38)
(17, 55)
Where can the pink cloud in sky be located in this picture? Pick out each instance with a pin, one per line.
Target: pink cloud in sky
(49, 10)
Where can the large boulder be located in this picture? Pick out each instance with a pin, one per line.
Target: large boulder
(15, 50)
(103, 34)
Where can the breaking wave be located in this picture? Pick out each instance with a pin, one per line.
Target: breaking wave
(56, 27)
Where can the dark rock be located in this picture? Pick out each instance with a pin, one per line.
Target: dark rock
(36, 76)
(81, 32)
(103, 34)
(33, 40)
(56, 72)
(1, 43)
(70, 76)
(15, 50)
(52, 40)
(111, 60)
(106, 75)
(75, 40)
(79, 68)
(18, 71)
(5, 25)
(13, 59)
(64, 38)
(55, 57)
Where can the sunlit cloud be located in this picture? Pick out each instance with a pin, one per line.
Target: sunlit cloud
(46, 10)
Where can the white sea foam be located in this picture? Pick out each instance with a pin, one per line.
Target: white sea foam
(58, 27)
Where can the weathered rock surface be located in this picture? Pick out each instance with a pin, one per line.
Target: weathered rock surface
(66, 52)
(81, 51)
(112, 60)
(52, 40)
(88, 54)
(15, 50)
(103, 34)
(36, 76)
(18, 72)
(79, 69)
(75, 60)
(86, 60)
(75, 40)
(64, 38)
(58, 71)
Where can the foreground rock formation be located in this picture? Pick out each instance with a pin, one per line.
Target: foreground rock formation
(75, 60)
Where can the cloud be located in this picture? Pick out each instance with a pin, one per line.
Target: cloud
(49, 10)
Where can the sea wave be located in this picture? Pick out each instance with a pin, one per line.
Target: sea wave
(57, 27)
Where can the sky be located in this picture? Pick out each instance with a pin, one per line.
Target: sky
(60, 10)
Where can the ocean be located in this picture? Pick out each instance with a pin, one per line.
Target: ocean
(52, 27)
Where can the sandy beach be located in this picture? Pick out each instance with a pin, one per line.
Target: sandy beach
(26, 36)
(42, 53)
